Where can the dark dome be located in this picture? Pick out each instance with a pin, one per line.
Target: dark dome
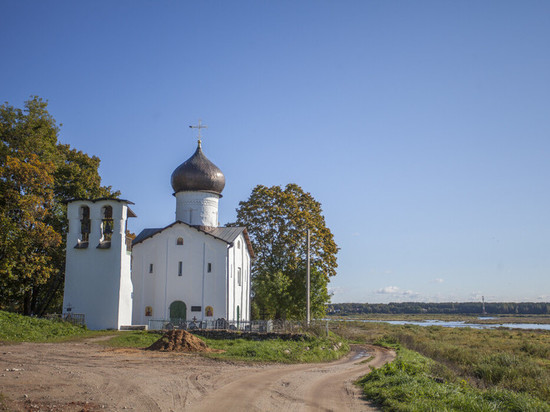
(198, 174)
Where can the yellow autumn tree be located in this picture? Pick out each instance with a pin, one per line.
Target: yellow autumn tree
(26, 241)
(37, 175)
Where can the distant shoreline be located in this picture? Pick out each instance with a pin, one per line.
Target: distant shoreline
(492, 319)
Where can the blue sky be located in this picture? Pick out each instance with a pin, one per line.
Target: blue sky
(422, 127)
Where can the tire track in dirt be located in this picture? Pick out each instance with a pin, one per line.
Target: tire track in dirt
(337, 391)
(302, 387)
(81, 376)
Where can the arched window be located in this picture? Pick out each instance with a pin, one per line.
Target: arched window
(148, 311)
(238, 244)
(84, 223)
(107, 223)
(179, 242)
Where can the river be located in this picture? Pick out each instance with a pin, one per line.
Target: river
(460, 324)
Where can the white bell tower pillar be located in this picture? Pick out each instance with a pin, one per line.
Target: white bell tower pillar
(97, 270)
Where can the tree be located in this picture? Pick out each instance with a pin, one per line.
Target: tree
(277, 221)
(37, 175)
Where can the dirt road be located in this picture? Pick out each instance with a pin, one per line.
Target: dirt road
(88, 377)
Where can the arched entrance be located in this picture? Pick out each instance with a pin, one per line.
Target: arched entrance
(178, 310)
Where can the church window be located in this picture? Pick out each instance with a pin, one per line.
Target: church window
(180, 268)
(148, 311)
(107, 223)
(179, 242)
(209, 267)
(150, 268)
(239, 276)
(84, 223)
(238, 244)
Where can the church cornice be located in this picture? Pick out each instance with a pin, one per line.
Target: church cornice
(207, 230)
(199, 191)
(99, 199)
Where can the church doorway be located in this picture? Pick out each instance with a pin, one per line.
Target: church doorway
(178, 310)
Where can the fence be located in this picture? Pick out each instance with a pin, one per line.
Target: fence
(319, 327)
(256, 326)
(74, 318)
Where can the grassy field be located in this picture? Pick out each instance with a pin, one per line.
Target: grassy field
(276, 350)
(17, 328)
(411, 383)
(313, 349)
(498, 366)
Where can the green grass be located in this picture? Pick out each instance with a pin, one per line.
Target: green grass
(413, 382)
(500, 359)
(313, 349)
(18, 328)
(284, 351)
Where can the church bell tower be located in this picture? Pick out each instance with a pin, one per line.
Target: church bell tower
(97, 269)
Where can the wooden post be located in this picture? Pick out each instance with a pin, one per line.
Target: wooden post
(308, 281)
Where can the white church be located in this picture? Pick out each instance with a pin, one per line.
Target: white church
(192, 269)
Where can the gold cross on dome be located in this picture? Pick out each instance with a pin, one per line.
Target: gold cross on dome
(199, 126)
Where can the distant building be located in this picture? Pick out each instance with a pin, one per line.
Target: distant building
(191, 269)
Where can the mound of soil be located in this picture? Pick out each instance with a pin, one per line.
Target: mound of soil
(179, 341)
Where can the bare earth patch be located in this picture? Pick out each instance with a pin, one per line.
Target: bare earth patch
(180, 341)
(87, 377)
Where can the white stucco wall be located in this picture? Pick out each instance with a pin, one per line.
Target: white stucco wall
(196, 286)
(197, 208)
(239, 294)
(97, 281)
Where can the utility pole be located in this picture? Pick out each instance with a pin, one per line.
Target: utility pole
(308, 281)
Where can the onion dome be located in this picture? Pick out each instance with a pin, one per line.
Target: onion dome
(198, 174)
